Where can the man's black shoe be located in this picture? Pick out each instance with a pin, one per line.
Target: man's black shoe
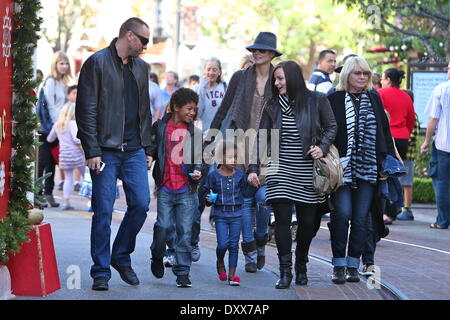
(157, 267)
(127, 274)
(100, 284)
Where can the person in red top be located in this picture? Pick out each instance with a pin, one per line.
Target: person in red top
(400, 108)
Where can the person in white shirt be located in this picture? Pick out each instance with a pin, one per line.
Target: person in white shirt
(439, 170)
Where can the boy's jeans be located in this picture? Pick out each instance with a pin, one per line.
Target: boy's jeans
(179, 208)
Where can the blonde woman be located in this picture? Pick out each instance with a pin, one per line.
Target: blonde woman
(71, 156)
(363, 139)
(55, 87)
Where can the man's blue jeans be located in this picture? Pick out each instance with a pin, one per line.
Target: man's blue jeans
(262, 216)
(131, 168)
(178, 207)
(350, 205)
(228, 231)
(439, 171)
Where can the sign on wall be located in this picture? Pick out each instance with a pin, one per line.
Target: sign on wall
(6, 23)
(423, 83)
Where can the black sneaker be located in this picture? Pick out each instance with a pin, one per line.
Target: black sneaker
(338, 275)
(100, 284)
(183, 281)
(127, 274)
(352, 275)
(251, 267)
(157, 268)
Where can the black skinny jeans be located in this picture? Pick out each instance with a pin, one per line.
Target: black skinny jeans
(308, 219)
(46, 164)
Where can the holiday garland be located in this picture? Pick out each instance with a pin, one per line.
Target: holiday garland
(14, 228)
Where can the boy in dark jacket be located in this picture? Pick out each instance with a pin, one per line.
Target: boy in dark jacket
(177, 171)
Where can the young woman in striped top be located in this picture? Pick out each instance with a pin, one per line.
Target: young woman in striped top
(289, 173)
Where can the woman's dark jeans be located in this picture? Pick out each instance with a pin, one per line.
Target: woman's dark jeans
(350, 205)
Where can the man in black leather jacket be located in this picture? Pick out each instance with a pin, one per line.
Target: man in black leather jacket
(114, 125)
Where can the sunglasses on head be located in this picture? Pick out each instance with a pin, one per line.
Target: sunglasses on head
(359, 73)
(143, 40)
(258, 50)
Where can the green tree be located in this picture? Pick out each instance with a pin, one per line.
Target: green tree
(303, 28)
(422, 24)
(69, 15)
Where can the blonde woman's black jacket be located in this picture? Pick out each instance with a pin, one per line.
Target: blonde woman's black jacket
(192, 159)
(324, 128)
(100, 107)
(384, 143)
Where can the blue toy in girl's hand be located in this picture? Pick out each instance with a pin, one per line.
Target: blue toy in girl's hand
(212, 197)
(193, 174)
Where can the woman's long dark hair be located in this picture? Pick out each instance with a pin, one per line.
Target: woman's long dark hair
(295, 83)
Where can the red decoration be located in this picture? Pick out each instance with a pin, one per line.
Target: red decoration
(6, 24)
(379, 49)
(34, 271)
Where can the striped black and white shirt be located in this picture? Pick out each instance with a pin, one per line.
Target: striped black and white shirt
(290, 176)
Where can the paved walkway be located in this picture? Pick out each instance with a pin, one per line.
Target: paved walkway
(71, 238)
(414, 258)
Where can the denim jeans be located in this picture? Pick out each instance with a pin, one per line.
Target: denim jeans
(131, 168)
(170, 240)
(196, 226)
(439, 171)
(350, 205)
(262, 216)
(178, 207)
(368, 253)
(228, 231)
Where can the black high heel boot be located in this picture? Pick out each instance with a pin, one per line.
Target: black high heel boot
(301, 277)
(285, 271)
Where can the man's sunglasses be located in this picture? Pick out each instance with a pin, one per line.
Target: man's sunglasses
(143, 40)
(259, 50)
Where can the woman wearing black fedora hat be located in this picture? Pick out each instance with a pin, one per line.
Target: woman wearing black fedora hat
(241, 108)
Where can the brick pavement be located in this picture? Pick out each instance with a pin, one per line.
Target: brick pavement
(417, 272)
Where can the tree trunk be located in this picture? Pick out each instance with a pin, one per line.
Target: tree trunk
(311, 60)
